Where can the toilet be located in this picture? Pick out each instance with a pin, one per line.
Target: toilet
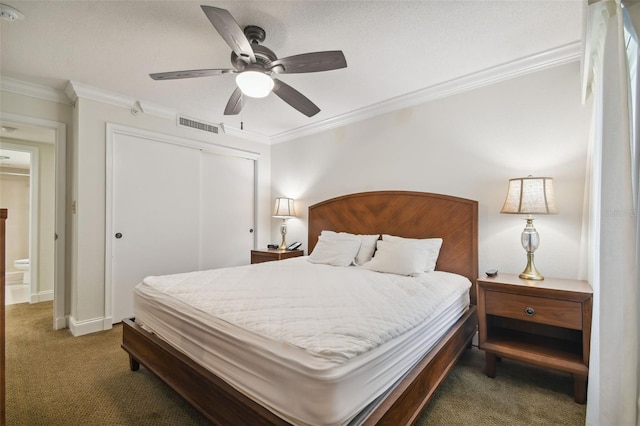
(23, 265)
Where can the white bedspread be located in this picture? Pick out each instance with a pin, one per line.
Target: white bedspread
(320, 322)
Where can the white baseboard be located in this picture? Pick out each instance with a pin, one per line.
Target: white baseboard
(60, 323)
(43, 296)
(80, 328)
(108, 323)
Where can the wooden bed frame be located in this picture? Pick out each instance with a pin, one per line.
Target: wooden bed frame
(402, 213)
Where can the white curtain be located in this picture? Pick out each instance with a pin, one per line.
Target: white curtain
(613, 397)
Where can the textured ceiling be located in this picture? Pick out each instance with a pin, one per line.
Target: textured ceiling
(393, 48)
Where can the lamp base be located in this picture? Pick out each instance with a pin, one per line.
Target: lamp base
(530, 272)
(283, 232)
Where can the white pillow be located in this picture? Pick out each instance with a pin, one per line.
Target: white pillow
(430, 245)
(367, 247)
(398, 258)
(335, 251)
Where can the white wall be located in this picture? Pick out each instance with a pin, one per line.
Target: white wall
(88, 192)
(467, 145)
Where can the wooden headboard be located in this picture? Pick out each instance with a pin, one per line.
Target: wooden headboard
(406, 214)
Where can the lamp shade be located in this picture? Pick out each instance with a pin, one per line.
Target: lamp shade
(254, 84)
(530, 195)
(284, 208)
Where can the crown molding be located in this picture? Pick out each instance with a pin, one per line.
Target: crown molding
(548, 59)
(75, 90)
(33, 90)
(243, 134)
(78, 90)
(537, 62)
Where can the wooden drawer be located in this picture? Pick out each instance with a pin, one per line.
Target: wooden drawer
(259, 256)
(561, 313)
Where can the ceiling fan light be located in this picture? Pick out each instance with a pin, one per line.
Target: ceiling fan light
(254, 84)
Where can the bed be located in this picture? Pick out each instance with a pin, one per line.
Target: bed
(398, 213)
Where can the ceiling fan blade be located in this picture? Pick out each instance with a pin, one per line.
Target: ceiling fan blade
(231, 32)
(174, 75)
(235, 103)
(294, 98)
(311, 62)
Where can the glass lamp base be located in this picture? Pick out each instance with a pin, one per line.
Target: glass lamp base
(283, 232)
(530, 242)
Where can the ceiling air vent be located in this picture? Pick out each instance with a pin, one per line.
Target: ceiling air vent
(199, 125)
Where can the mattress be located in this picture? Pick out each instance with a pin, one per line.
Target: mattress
(315, 344)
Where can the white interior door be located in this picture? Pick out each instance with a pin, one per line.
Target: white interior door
(227, 210)
(155, 214)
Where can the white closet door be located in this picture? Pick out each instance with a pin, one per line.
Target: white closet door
(227, 210)
(155, 214)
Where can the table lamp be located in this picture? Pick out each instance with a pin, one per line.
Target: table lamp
(284, 210)
(530, 195)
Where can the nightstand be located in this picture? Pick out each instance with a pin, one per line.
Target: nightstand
(259, 256)
(545, 323)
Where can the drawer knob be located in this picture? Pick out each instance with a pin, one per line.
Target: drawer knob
(529, 311)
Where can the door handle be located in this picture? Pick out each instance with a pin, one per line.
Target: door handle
(118, 235)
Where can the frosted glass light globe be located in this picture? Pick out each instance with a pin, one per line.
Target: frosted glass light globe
(254, 84)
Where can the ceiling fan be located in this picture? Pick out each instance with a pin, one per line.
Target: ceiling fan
(256, 65)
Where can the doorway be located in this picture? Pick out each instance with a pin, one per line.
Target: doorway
(36, 136)
(20, 194)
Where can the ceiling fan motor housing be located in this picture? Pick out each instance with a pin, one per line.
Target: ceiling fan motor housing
(264, 55)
